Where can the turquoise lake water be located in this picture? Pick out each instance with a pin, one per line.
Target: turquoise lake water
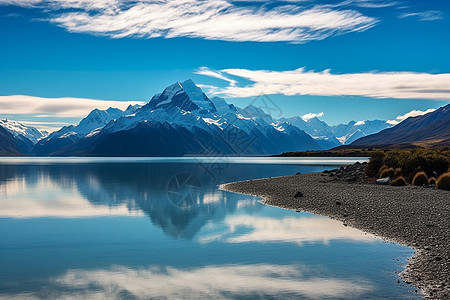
(159, 228)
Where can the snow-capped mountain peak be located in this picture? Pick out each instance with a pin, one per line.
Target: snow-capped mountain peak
(17, 128)
(97, 119)
(257, 114)
(222, 107)
(348, 133)
(184, 95)
(131, 109)
(92, 123)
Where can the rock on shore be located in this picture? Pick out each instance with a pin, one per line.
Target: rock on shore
(410, 215)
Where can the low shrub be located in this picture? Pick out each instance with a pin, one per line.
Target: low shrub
(383, 167)
(399, 181)
(375, 163)
(387, 172)
(398, 172)
(432, 180)
(420, 178)
(443, 182)
(410, 161)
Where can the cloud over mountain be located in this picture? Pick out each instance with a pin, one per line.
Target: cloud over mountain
(413, 113)
(309, 116)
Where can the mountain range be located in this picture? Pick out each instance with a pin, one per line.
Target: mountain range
(182, 120)
(342, 134)
(429, 130)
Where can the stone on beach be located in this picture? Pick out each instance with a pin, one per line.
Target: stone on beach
(384, 181)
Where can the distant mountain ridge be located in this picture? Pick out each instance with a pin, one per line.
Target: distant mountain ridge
(432, 129)
(68, 135)
(350, 132)
(341, 134)
(182, 120)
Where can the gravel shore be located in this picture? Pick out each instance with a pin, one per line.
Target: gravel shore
(413, 216)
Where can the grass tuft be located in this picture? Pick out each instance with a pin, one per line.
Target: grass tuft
(443, 182)
(399, 181)
(420, 178)
(387, 172)
(431, 180)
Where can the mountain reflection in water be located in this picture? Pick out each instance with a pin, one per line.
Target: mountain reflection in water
(180, 198)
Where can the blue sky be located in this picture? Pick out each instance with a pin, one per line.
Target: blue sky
(350, 59)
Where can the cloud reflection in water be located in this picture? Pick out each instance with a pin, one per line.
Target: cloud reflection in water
(210, 282)
(47, 198)
(288, 229)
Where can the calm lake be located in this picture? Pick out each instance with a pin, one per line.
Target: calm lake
(144, 228)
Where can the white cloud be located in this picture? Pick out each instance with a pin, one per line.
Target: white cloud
(429, 15)
(23, 3)
(215, 74)
(57, 107)
(376, 4)
(392, 122)
(365, 3)
(413, 113)
(209, 282)
(87, 5)
(398, 85)
(309, 116)
(212, 19)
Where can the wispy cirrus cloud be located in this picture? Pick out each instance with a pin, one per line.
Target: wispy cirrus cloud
(23, 3)
(212, 20)
(365, 3)
(413, 113)
(397, 85)
(215, 74)
(429, 15)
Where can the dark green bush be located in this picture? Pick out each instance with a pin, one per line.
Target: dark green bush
(399, 181)
(387, 172)
(432, 180)
(443, 182)
(420, 178)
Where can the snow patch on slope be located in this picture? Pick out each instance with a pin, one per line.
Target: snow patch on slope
(17, 128)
